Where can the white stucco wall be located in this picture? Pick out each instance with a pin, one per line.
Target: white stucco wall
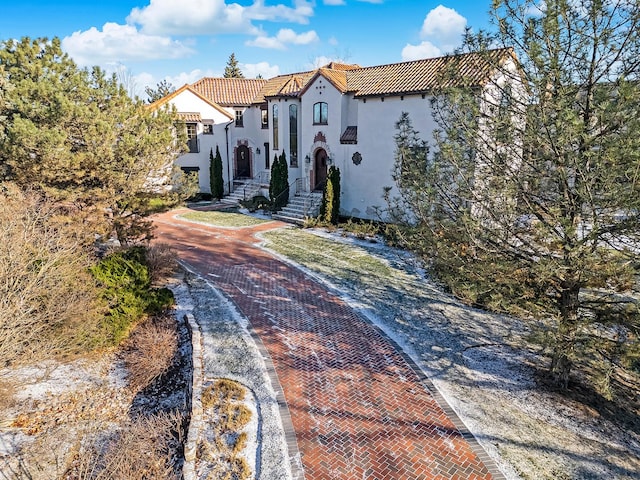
(363, 185)
(189, 102)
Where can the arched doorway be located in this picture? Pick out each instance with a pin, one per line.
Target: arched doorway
(320, 170)
(243, 162)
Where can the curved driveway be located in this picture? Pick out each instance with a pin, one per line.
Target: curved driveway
(359, 407)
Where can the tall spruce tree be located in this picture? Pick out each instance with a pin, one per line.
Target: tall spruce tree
(215, 174)
(530, 201)
(232, 70)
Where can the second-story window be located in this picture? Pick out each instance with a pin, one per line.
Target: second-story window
(293, 135)
(239, 118)
(320, 113)
(275, 127)
(207, 129)
(264, 118)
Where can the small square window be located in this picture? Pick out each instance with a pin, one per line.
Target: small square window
(207, 129)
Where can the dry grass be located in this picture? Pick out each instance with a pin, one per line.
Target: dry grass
(223, 403)
(162, 262)
(7, 394)
(140, 450)
(150, 350)
(48, 302)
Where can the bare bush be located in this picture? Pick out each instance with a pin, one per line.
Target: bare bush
(150, 350)
(162, 261)
(48, 301)
(141, 450)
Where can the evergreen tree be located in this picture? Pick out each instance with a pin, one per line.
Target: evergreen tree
(279, 183)
(75, 135)
(232, 70)
(215, 174)
(530, 203)
(162, 89)
(330, 206)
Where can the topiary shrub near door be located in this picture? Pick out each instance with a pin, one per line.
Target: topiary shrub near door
(215, 171)
(330, 206)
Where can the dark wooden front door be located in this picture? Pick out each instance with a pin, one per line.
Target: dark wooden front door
(243, 162)
(320, 169)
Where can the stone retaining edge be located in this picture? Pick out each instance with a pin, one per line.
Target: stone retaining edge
(196, 421)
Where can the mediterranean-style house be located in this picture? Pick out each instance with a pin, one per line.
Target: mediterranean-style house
(339, 114)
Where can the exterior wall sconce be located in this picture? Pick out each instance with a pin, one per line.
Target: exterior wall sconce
(258, 150)
(307, 159)
(329, 160)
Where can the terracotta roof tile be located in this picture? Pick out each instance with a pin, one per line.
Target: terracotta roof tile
(190, 116)
(284, 85)
(229, 92)
(424, 75)
(341, 66)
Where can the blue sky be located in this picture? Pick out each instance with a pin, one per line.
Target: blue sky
(184, 40)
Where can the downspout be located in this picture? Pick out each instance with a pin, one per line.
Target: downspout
(226, 134)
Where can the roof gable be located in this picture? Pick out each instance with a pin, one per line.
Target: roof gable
(188, 89)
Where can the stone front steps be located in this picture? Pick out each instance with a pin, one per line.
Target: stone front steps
(299, 208)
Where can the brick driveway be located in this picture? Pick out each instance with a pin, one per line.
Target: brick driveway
(359, 407)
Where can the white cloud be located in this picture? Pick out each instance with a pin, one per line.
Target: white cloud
(441, 33)
(284, 37)
(416, 52)
(190, 17)
(193, 17)
(252, 70)
(120, 43)
(334, 2)
(300, 13)
(445, 26)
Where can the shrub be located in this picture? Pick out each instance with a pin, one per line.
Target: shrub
(140, 450)
(215, 174)
(330, 206)
(49, 304)
(126, 287)
(150, 350)
(162, 262)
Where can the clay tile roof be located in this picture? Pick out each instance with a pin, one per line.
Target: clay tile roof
(190, 116)
(337, 77)
(425, 75)
(341, 66)
(350, 136)
(284, 85)
(229, 92)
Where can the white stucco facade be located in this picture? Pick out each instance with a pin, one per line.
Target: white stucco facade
(344, 115)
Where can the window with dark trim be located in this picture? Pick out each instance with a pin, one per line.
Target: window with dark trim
(239, 118)
(207, 129)
(275, 127)
(192, 138)
(293, 135)
(264, 118)
(320, 113)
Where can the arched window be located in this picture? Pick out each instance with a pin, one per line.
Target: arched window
(275, 127)
(320, 113)
(293, 135)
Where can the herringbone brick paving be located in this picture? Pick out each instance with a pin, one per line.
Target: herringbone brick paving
(359, 410)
